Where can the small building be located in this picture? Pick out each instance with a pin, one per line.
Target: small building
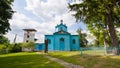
(29, 35)
(62, 40)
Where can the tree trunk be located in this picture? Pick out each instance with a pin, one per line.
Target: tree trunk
(112, 32)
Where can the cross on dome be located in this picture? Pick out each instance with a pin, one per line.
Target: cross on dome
(61, 21)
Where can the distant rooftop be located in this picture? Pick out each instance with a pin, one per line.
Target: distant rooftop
(29, 30)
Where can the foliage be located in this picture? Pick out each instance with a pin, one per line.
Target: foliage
(2, 47)
(10, 48)
(83, 41)
(4, 43)
(6, 47)
(26, 60)
(100, 33)
(6, 13)
(28, 44)
(105, 12)
(94, 11)
(16, 47)
(4, 40)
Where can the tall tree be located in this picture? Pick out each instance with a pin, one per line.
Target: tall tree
(82, 36)
(100, 32)
(6, 13)
(104, 11)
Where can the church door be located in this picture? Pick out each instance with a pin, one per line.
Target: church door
(62, 44)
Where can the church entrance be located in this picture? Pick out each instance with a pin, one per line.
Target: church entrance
(62, 44)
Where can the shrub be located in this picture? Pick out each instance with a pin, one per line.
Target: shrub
(2, 49)
(28, 44)
(15, 47)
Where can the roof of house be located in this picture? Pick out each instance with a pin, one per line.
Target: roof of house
(29, 30)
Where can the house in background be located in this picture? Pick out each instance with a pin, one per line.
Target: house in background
(29, 35)
(62, 40)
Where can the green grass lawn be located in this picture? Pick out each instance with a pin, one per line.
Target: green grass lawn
(93, 52)
(26, 60)
(87, 60)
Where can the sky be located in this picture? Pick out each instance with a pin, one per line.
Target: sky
(42, 15)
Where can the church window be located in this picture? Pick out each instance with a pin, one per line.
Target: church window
(27, 36)
(73, 41)
(62, 39)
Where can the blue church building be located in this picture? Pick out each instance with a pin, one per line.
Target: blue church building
(62, 40)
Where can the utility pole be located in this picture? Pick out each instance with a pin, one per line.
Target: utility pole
(14, 41)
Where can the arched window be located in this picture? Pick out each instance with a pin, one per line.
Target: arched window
(73, 41)
(61, 39)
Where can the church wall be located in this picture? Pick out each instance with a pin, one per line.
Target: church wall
(39, 46)
(74, 42)
(62, 46)
(50, 42)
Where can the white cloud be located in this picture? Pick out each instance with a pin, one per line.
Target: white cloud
(11, 37)
(90, 38)
(49, 11)
(75, 1)
(21, 21)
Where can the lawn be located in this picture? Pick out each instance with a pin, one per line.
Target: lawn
(26, 60)
(87, 60)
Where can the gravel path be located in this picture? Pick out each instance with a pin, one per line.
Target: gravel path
(66, 64)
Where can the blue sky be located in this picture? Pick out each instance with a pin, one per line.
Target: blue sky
(42, 15)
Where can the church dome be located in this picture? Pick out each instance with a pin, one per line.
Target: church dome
(61, 27)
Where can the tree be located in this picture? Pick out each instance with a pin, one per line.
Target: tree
(6, 13)
(30, 45)
(101, 33)
(104, 11)
(2, 46)
(82, 36)
(4, 40)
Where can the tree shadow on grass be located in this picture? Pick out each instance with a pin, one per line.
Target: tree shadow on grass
(27, 61)
(91, 61)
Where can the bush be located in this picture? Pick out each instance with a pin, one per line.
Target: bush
(29, 45)
(3, 49)
(10, 48)
(2, 46)
(15, 47)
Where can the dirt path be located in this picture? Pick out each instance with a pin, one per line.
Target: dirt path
(66, 64)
